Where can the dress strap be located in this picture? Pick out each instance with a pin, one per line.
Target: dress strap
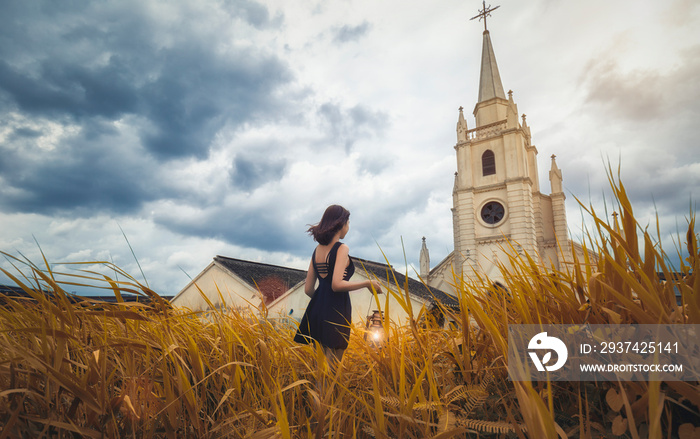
(324, 269)
(313, 261)
(333, 256)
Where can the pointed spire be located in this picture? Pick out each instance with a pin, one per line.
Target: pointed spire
(461, 127)
(555, 177)
(490, 85)
(424, 261)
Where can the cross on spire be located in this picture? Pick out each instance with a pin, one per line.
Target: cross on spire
(486, 12)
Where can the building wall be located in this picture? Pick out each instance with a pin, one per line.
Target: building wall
(442, 277)
(214, 279)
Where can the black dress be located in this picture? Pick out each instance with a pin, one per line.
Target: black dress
(329, 313)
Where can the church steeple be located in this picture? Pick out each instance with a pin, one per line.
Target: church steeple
(492, 105)
(490, 85)
(496, 197)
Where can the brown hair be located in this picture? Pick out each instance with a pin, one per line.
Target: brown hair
(334, 218)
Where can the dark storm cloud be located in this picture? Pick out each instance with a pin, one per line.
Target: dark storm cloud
(252, 12)
(60, 90)
(263, 228)
(346, 126)
(118, 72)
(269, 227)
(347, 33)
(249, 173)
(24, 133)
(198, 92)
(184, 87)
(84, 177)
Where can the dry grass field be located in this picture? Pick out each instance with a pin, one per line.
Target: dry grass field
(93, 369)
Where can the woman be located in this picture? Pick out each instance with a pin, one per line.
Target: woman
(329, 314)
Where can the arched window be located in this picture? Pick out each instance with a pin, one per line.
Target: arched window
(488, 163)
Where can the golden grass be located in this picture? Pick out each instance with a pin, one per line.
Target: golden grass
(94, 369)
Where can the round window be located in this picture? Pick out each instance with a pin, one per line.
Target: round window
(492, 212)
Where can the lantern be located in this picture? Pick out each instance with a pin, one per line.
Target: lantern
(375, 328)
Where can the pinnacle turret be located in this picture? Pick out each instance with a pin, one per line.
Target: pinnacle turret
(555, 177)
(461, 127)
(424, 261)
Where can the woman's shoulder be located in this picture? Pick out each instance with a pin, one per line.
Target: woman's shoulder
(341, 245)
(343, 250)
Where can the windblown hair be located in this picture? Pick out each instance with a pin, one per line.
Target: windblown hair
(334, 218)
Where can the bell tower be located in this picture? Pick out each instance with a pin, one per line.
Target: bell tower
(496, 178)
(497, 204)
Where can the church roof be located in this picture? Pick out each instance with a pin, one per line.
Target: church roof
(271, 280)
(490, 85)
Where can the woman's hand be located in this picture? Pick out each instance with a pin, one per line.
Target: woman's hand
(376, 285)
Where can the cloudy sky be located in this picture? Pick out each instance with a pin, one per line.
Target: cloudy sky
(227, 126)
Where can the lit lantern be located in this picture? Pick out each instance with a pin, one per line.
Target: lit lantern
(374, 328)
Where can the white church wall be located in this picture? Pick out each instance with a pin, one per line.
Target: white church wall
(515, 162)
(291, 305)
(441, 277)
(211, 281)
(533, 169)
(547, 218)
(550, 256)
(491, 111)
(491, 255)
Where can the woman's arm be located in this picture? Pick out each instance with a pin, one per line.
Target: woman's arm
(310, 285)
(339, 284)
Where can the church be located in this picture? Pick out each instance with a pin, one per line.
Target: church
(498, 205)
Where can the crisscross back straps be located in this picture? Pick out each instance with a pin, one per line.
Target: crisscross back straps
(324, 268)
